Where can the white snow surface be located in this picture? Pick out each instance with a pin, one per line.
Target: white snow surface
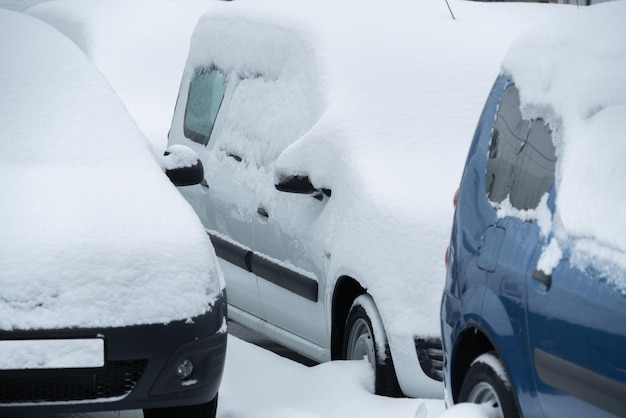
(93, 234)
(574, 70)
(378, 109)
(140, 46)
(541, 215)
(417, 203)
(382, 102)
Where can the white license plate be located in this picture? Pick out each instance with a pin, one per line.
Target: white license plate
(51, 354)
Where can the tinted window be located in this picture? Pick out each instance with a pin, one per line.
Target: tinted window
(203, 102)
(521, 156)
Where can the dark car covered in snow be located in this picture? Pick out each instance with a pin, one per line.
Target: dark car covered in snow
(110, 293)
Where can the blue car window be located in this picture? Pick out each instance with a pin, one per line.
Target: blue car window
(521, 156)
(206, 93)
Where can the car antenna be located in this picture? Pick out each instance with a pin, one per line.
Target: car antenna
(453, 18)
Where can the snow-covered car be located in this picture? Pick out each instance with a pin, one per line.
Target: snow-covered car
(534, 309)
(330, 133)
(111, 296)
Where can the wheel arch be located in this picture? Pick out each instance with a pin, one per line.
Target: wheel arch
(471, 343)
(346, 290)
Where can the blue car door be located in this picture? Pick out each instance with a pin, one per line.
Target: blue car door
(578, 342)
(518, 178)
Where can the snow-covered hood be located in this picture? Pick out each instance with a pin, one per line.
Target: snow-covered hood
(93, 234)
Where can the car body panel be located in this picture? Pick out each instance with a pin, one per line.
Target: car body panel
(559, 335)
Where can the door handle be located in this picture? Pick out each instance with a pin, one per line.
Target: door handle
(262, 212)
(542, 277)
(235, 156)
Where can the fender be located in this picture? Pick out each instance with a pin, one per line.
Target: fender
(511, 347)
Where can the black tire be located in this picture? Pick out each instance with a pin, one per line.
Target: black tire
(205, 410)
(360, 340)
(487, 381)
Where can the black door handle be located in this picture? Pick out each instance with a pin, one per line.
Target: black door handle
(542, 277)
(261, 211)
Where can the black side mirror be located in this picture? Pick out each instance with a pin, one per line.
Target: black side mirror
(182, 166)
(302, 185)
(296, 184)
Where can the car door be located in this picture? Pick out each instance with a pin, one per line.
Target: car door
(267, 115)
(519, 176)
(573, 324)
(226, 199)
(578, 341)
(290, 265)
(261, 116)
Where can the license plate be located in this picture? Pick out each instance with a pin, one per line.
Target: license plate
(51, 354)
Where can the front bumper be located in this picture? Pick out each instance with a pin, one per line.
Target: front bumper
(139, 369)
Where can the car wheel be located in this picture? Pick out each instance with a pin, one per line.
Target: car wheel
(363, 332)
(488, 382)
(205, 410)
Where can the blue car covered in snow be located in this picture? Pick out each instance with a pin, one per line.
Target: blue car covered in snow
(534, 309)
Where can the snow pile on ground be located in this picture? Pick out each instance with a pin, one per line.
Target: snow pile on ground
(574, 71)
(93, 233)
(140, 46)
(260, 384)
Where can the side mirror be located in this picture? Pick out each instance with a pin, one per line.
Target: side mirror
(182, 166)
(296, 184)
(302, 185)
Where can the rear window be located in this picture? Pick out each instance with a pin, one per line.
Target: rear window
(521, 156)
(206, 93)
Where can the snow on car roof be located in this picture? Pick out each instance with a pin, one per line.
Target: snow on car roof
(394, 91)
(93, 233)
(572, 72)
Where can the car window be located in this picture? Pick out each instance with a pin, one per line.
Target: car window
(521, 156)
(206, 93)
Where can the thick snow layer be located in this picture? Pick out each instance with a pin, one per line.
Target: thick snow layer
(574, 71)
(93, 233)
(373, 103)
(260, 384)
(140, 46)
(541, 214)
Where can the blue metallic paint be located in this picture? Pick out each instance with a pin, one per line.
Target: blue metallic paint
(489, 288)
